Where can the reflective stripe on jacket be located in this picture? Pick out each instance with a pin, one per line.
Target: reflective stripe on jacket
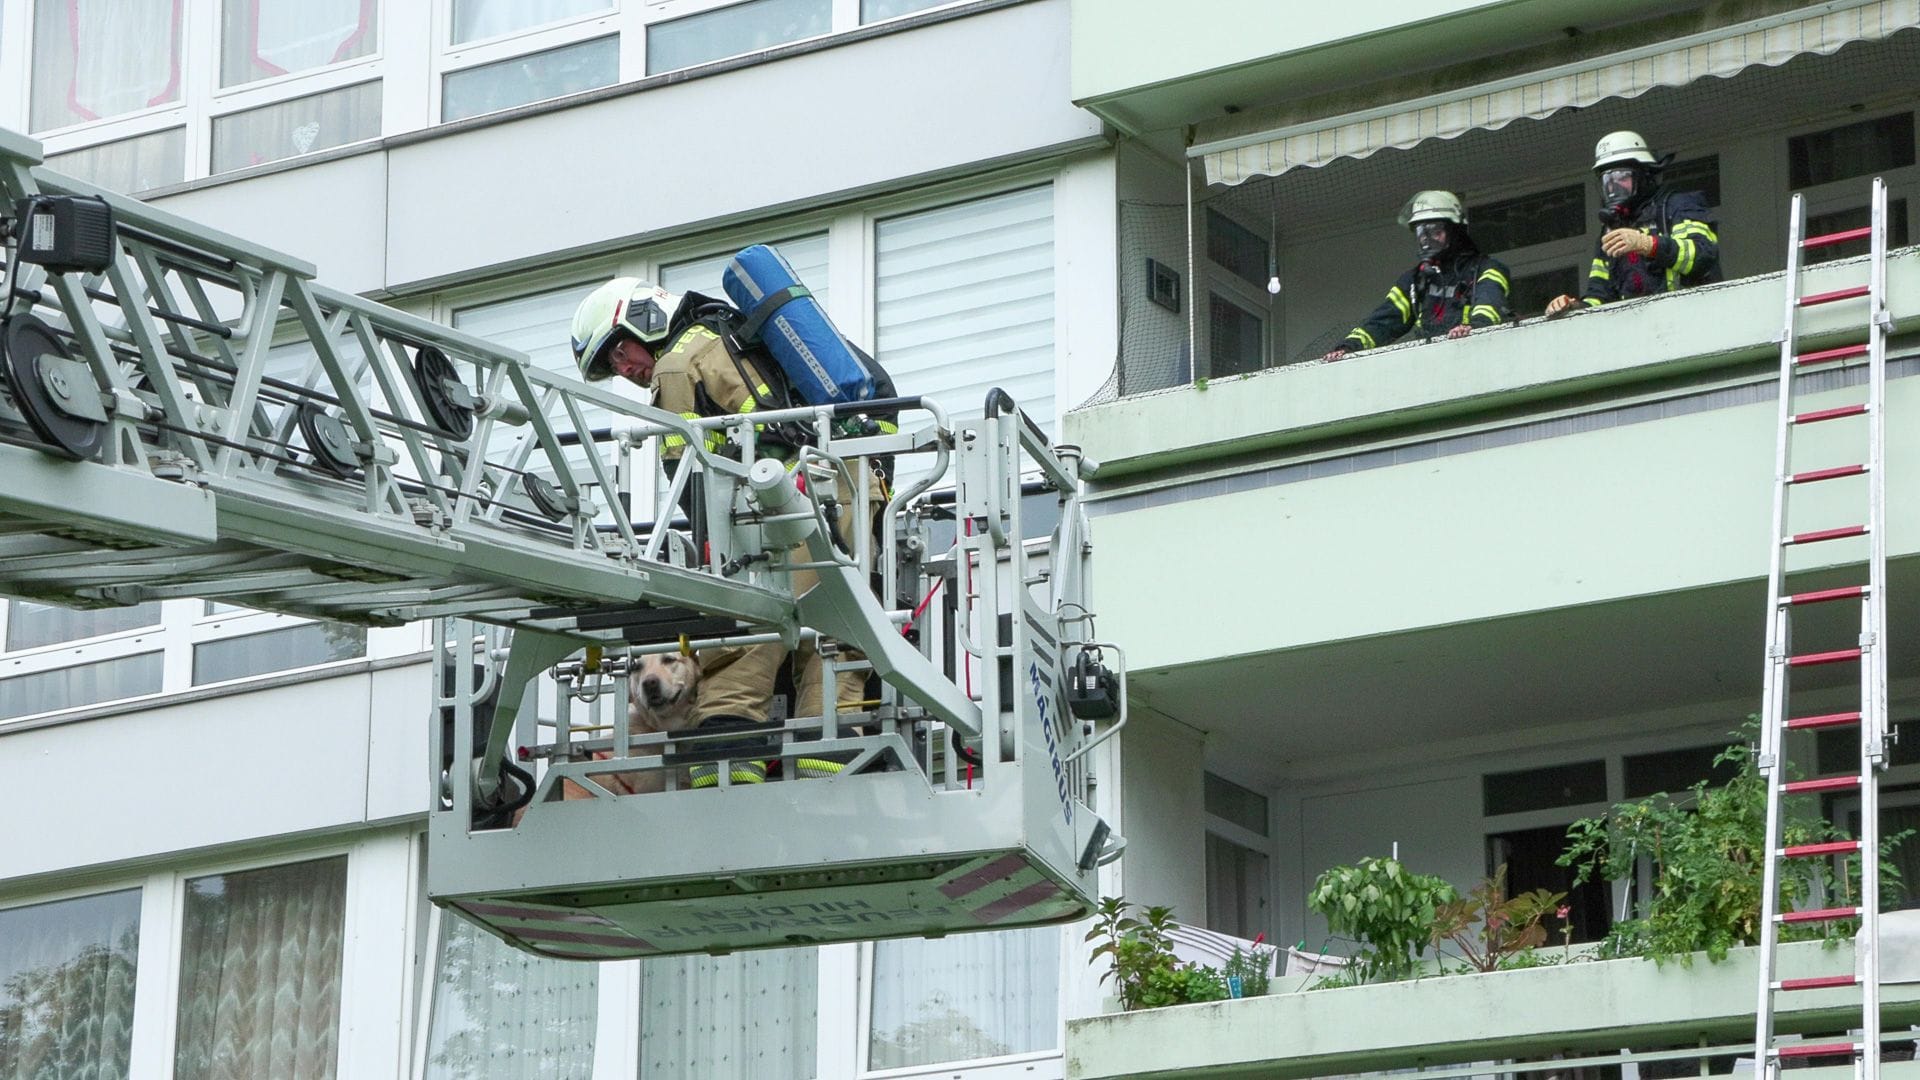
(1431, 300)
(1686, 252)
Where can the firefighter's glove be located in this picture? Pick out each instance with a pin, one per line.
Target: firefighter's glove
(1627, 241)
(1460, 331)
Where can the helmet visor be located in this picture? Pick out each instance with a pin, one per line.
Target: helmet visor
(644, 318)
(1619, 185)
(1433, 237)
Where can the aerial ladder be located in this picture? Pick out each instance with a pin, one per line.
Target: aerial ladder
(187, 414)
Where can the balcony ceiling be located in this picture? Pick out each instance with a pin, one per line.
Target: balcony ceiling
(1307, 708)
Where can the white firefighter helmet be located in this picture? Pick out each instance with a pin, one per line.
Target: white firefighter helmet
(625, 303)
(1622, 147)
(1433, 206)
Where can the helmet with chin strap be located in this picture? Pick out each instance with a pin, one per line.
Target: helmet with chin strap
(1625, 165)
(1434, 217)
(625, 305)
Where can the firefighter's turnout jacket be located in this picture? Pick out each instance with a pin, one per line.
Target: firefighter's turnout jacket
(699, 375)
(1461, 286)
(1686, 251)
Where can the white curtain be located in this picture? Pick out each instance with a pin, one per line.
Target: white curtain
(734, 30)
(965, 997)
(276, 650)
(129, 166)
(749, 1016)
(82, 684)
(964, 302)
(260, 973)
(66, 988)
(291, 128)
(502, 1014)
(30, 624)
(263, 38)
(540, 76)
(476, 19)
(98, 58)
(806, 254)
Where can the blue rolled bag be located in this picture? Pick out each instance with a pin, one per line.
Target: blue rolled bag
(783, 316)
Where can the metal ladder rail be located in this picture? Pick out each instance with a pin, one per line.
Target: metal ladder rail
(1870, 653)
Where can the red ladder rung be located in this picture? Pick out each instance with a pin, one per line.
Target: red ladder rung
(1823, 356)
(1818, 535)
(1830, 297)
(1818, 415)
(1820, 915)
(1829, 847)
(1832, 238)
(1829, 783)
(1821, 596)
(1804, 1050)
(1826, 720)
(1837, 656)
(1819, 982)
(1814, 476)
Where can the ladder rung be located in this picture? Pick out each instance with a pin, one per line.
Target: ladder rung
(1814, 476)
(1818, 982)
(1818, 415)
(1826, 720)
(1820, 915)
(1832, 238)
(1823, 356)
(1829, 783)
(1815, 659)
(1830, 297)
(1829, 847)
(1818, 535)
(1821, 596)
(1803, 1050)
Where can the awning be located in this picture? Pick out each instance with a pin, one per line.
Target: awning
(1721, 52)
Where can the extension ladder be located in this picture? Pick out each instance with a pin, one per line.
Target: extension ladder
(1859, 1041)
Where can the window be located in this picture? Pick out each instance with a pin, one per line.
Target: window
(130, 165)
(1672, 771)
(1531, 857)
(31, 625)
(1851, 150)
(876, 10)
(963, 302)
(276, 650)
(965, 997)
(93, 59)
(499, 1012)
(82, 684)
(748, 1014)
(260, 39)
(733, 30)
(260, 960)
(1237, 249)
(1237, 338)
(1236, 888)
(1837, 750)
(477, 19)
(66, 986)
(1539, 218)
(1528, 294)
(1231, 802)
(807, 255)
(1541, 789)
(1698, 174)
(291, 128)
(538, 76)
(1858, 217)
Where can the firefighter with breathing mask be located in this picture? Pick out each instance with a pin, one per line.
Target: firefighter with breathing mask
(1453, 288)
(1652, 241)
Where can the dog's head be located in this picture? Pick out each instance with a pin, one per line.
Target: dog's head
(664, 680)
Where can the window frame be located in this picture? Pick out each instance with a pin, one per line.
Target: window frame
(1266, 307)
(448, 58)
(666, 11)
(1854, 192)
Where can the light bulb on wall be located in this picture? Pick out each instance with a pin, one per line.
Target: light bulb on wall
(1273, 285)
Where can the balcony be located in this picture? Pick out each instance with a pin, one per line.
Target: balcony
(1572, 1012)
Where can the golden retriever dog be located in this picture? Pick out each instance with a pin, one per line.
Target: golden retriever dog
(661, 690)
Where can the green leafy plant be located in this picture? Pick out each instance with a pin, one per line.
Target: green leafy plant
(1491, 928)
(1251, 967)
(1388, 909)
(1709, 854)
(1139, 952)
